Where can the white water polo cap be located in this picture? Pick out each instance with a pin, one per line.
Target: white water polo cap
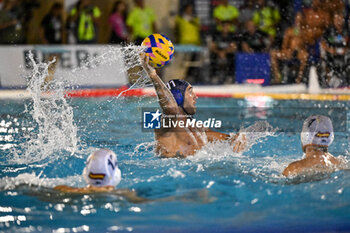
(102, 169)
(318, 131)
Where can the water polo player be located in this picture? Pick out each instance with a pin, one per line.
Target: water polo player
(317, 134)
(102, 174)
(178, 99)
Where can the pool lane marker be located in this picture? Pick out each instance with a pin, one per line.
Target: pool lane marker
(110, 92)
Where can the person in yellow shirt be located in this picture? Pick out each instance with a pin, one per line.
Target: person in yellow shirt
(141, 22)
(266, 19)
(187, 31)
(187, 27)
(85, 15)
(227, 13)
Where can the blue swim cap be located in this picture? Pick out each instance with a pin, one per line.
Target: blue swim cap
(178, 88)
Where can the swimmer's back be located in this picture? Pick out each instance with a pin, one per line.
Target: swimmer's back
(304, 166)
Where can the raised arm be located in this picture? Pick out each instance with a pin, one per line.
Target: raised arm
(166, 99)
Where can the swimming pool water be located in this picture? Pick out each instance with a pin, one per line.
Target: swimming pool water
(214, 191)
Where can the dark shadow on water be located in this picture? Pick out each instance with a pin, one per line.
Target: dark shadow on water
(50, 195)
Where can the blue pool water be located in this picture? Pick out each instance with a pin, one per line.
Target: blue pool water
(214, 191)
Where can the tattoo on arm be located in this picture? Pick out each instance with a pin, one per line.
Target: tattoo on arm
(166, 99)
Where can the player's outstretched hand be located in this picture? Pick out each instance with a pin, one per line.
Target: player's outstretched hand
(239, 143)
(148, 68)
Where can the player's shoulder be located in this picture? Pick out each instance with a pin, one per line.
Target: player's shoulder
(294, 167)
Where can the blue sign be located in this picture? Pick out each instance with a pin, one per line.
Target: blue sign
(253, 68)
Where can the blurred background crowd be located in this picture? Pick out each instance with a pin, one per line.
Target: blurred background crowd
(292, 34)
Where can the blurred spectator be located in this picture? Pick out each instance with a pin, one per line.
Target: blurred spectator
(119, 33)
(226, 13)
(288, 10)
(254, 40)
(51, 30)
(292, 49)
(246, 12)
(334, 7)
(335, 43)
(85, 17)
(187, 29)
(71, 32)
(316, 20)
(266, 18)
(11, 30)
(141, 22)
(222, 50)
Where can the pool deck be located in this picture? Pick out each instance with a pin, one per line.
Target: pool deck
(279, 92)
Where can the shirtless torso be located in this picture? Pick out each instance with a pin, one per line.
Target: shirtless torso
(182, 141)
(314, 162)
(179, 142)
(293, 41)
(293, 47)
(315, 22)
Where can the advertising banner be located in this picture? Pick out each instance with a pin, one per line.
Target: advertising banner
(83, 65)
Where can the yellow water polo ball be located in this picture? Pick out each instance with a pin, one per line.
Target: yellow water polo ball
(159, 49)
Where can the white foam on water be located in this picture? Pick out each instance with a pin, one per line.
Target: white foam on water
(219, 150)
(222, 151)
(175, 173)
(10, 183)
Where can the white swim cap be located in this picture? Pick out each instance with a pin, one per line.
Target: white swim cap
(318, 131)
(102, 169)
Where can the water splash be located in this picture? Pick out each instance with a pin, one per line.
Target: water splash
(129, 55)
(144, 147)
(52, 117)
(252, 135)
(133, 66)
(256, 133)
(32, 179)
